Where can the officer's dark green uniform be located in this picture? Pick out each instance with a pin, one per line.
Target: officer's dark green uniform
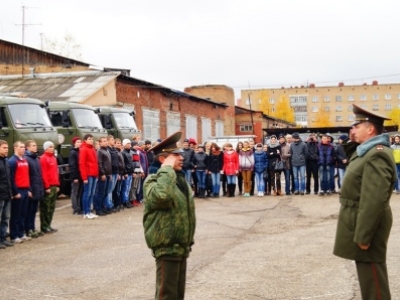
(169, 223)
(365, 215)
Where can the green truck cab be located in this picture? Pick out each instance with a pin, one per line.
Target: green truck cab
(118, 122)
(23, 119)
(74, 119)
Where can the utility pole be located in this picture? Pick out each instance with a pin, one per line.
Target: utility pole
(251, 115)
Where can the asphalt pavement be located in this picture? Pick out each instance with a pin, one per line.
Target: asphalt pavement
(245, 248)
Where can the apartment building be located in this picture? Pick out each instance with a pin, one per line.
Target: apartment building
(333, 104)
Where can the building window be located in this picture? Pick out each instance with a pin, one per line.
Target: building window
(363, 106)
(388, 106)
(339, 108)
(327, 99)
(191, 127)
(375, 97)
(350, 108)
(338, 98)
(314, 109)
(363, 97)
(339, 119)
(271, 100)
(248, 101)
(315, 98)
(375, 107)
(246, 128)
(219, 128)
(326, 108)
(173, 123)
(313, 119)
(398, 96)
(350, 118)
(151, 124)
(350, 98)
(298, 99)
(301, 118)
(205, 129)
(301, 108)
(388, 97)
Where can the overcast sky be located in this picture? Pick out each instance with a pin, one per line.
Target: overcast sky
(260, 43)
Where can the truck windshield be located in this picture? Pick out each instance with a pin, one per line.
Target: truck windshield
(124, 120)
(29, 115)
(86, 118)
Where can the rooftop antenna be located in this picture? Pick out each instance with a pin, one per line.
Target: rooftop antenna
(23, 35)
(25, 24)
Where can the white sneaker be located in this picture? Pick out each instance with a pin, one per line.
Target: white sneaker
(93, 215)
(88, 216)
(26, 238)
(17, 241)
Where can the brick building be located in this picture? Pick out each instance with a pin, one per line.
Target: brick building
(256, 123)
(160, 111)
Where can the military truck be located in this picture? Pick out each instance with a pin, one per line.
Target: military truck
(118, 122)
(73, 119)
(23, 119)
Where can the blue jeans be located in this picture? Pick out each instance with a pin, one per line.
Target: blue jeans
(19, 208)
(201, 179)
(259, 176)
(188, 176)
(341, 174)
(230, 179)
(5, 212)
(396, 185)
(324, 177)
(216, 182)
(332, 178)
(117, 193)
(89, 190)
(286, 173)
(109, 199)
(101, 197)
(299, 173)
(125, 188)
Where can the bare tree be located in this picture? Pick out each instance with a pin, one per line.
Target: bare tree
(68, 46)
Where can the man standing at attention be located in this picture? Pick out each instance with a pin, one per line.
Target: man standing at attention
(365, 216)
(89, 170)
(51, 184)
(21, 191)
(299, 154)
(169, 220)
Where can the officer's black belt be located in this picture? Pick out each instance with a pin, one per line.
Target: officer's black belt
(349, 203)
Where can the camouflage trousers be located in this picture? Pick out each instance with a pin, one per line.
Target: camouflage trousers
(47, 207)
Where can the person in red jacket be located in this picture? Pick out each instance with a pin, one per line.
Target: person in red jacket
(88, 166)
(230, 168)
(51, 184)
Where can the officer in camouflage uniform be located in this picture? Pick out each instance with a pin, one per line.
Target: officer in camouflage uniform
(365, 216)
(169, 219)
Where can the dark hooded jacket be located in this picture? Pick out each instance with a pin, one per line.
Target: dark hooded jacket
(35, 175)
(73, 163)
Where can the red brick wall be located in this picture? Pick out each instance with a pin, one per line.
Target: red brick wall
(152, 98)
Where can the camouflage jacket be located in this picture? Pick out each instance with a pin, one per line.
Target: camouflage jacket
(169, 215)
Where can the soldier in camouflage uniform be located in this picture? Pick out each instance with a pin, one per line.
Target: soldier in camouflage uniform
(365, 216)
(169, 220)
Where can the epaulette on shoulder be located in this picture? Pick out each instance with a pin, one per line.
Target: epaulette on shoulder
(379, 147)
